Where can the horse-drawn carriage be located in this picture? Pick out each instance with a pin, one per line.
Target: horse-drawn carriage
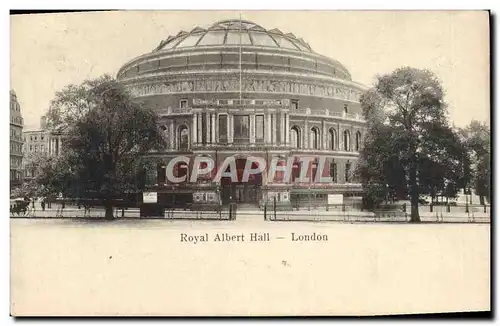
(19, 207)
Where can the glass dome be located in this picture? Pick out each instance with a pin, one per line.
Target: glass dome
(234, 32)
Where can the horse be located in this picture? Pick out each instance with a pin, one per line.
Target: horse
(20, 207)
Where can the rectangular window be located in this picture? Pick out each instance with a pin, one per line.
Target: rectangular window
(36, 148)
(259, 128)
(295, 104)
(241, 128)
(184, 104)
(223, 128)
(41, 148)
(348, 172)
(31, 148)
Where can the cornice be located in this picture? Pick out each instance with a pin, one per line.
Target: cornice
(246, 49)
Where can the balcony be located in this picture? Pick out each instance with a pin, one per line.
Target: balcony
(327, 113)
(241, 102)
(175, 111)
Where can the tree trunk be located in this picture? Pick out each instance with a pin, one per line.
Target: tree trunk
(481, 199)
(415, 217)
(108, 205)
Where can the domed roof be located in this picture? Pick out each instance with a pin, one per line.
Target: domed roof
(234, 32)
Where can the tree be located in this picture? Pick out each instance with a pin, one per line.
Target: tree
(444, 163)
(34, 161)
(105, 144)
(379, 169)
(73, 102)
(410, 148)
(477, 137)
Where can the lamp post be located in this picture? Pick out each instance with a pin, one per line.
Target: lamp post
(267, 175)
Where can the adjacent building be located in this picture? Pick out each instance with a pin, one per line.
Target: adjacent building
(237, 88)
(16, 141)
(37, 144)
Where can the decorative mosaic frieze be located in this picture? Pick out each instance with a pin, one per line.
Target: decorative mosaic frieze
(232, 85)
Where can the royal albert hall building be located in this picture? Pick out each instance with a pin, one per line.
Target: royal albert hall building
(238, 89)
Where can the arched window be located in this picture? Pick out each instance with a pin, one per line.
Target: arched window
(314, 138)
(358, 141)
(347, 141)
(295, 137)
(332, 139)
(183, 137)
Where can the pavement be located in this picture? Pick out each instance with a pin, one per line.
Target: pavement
(296, 215)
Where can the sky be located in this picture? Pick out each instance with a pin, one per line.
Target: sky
(50, 51)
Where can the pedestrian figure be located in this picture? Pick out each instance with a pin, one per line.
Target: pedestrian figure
(43, 205)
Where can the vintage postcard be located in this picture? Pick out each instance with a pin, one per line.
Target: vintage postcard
(250, 163)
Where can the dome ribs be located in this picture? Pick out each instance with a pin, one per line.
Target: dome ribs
(276, 31)
(198, 29)
(278, 37)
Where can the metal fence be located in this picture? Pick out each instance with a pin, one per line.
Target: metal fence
(227, 212)
(223, 213)
(388, 213)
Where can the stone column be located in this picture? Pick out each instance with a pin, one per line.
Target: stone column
(208, 127)
(287, 128)
(273, 130)
(194, 128)
(339, 135)
(199, 136)
(306, 135)
(268, 128)
(230, 129)
(324, 136)
(252, 129)
(213, 139)
(352, 143)
(172, 134)
(282, 128)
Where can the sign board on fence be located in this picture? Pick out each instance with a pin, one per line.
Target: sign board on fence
(335, 199)
(149, 197)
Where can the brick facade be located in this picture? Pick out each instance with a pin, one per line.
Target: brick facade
(290, 97)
